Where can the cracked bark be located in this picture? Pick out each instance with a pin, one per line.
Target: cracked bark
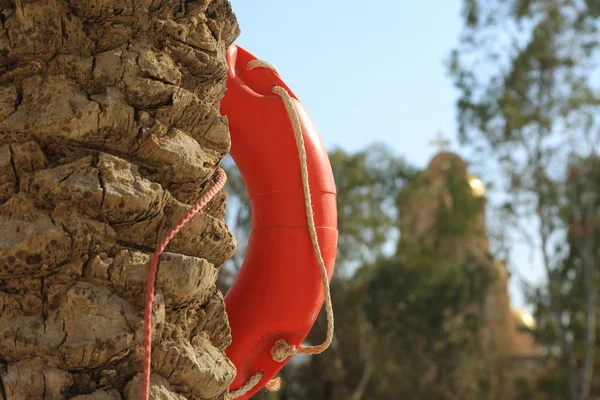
(109, 132)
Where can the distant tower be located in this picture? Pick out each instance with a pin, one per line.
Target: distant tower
(421, 201)
(423, 198)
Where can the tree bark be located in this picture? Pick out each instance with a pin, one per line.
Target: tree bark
(109, 131)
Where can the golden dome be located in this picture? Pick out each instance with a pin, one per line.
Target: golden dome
(524, 319)
(476, 186)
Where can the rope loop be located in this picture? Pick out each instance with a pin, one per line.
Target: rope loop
(221, 178)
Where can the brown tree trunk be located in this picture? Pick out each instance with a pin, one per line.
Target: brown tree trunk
(109, 131)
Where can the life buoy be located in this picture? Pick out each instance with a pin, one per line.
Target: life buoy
(278, 292)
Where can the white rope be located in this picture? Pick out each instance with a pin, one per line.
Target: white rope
(261, 64)
(282, 349)
(248, 386)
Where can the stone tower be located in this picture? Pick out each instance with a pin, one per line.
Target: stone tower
(424, 198)
(506, 344)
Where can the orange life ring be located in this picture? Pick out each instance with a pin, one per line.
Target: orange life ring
(278, 293)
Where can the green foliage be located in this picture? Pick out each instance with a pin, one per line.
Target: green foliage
(457, 219)
(425, 305)
(367, 184)
(426, 315)
(418, 292)
(529, 99)
(553, 385)
(569, 277)
(521, 67)
(337, 373)
(408, 326)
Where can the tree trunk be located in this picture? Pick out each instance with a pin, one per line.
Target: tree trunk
(589, 346)
(109, 131)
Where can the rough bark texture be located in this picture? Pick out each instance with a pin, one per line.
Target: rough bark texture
(109, 131)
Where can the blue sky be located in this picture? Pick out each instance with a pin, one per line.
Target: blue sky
(364, 71)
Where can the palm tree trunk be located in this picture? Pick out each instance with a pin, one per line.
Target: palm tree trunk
(109, 131)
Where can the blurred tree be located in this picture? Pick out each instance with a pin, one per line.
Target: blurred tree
(425, 304)
(526, 74)
(408, 323)
(577, 275)
(343, 371)
(368, 183)
(426, 315)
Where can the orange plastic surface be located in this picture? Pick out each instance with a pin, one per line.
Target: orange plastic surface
(278, 293)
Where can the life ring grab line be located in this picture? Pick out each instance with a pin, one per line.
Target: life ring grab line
(220, 179)
(281, 350)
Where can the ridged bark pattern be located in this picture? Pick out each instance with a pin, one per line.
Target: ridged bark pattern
(109, 131)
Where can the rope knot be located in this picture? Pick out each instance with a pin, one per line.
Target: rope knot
(274, 385)
(282, 350)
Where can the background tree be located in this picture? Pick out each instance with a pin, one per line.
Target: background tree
(580, 214)
(425, 303)
(524, 70)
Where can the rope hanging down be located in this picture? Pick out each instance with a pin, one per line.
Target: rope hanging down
(221, 178)
(282, 349)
